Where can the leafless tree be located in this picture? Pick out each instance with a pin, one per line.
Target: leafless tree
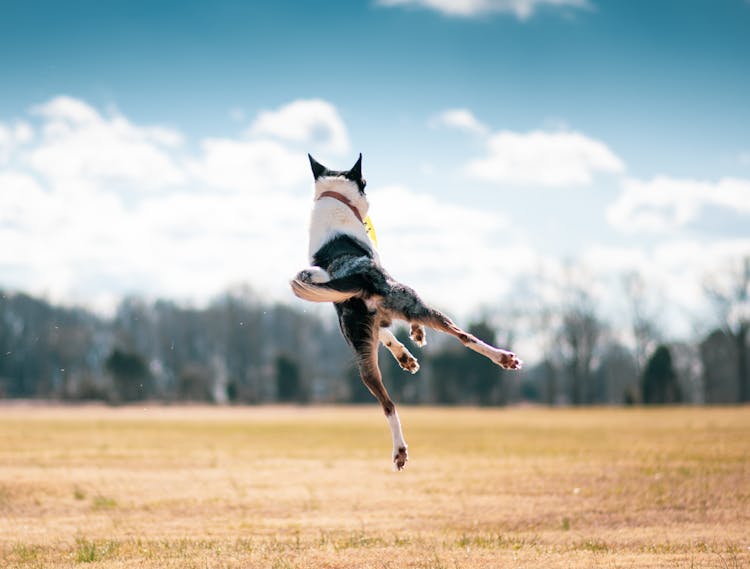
(580, 334)
(643, 315)
(729, 292)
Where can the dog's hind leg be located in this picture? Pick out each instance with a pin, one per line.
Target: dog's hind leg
(368, 370)
(504, 358)
(404, 303)
(360, 330)
(403, 356)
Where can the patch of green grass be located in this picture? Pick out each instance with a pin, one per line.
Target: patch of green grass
(282, 563)
(90, 551)
(482, 541)
(596, 545)
(356, 540)
(27, 553)
(399, 541)
(100, 502)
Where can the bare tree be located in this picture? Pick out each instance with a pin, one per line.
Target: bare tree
(532, 313)
(579, 335)
(646, 333)
(730, 295)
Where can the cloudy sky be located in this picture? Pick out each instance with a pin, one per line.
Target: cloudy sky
(159, 148)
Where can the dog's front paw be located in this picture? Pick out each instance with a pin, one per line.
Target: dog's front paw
(400, 456)
(408, 362)
(418, 335)
(313, 275)
(304, 276)
(508, 360)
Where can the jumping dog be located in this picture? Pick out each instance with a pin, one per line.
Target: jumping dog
(345, 269)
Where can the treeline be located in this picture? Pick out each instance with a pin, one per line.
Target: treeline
(240, 349)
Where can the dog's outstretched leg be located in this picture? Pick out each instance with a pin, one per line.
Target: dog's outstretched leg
(503, 358)
(404, 303)
(403, 356)
(360, 330)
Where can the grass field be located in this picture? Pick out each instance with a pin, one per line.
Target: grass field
(312, 487)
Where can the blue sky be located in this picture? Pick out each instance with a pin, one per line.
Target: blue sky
(613, 136)
(677, 70)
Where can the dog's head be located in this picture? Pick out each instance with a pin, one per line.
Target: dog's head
(348, 183)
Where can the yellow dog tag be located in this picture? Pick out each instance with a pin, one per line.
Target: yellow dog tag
(370, 229)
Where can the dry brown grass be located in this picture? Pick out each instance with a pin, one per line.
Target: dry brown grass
(312, 487)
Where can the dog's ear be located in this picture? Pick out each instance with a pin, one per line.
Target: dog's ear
(355, 174)
(317, 168)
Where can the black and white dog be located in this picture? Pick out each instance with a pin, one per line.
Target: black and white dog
(346, 270)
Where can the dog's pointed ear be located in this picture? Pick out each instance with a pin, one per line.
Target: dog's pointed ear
(356, 172)
(317, 168)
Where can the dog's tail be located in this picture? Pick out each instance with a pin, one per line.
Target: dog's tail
(336, 290)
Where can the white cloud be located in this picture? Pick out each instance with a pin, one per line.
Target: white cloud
(454, 255)
(557, 158)
(80, 147)
(249, 165)
(521, 9)
(67, 108)
(461, 119)
(13, 137)
(675, 271)
(184, 245)
(20, 200)
(663, 204)
(311, 121)
(551, 159)
(76, 225)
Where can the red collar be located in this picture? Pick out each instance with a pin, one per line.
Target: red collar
(343, 199)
